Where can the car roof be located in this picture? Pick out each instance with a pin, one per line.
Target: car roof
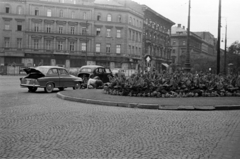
(49, 67)
(91, 66)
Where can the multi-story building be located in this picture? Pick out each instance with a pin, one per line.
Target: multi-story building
(156, 39)
(71, 33)
(199, 47)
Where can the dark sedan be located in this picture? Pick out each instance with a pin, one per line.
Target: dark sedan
(95, 70)
(49, 77)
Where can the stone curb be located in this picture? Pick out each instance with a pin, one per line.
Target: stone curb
(149, 106)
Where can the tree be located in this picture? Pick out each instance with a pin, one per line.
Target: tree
(233, 57)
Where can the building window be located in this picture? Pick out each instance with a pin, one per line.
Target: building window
(61, 13)
(36, 27)
(98, 31)
(48, 27)
(118, 33)
(98, 46)
(184, 42)
(7, 42)
(19, 27)
(19, 10)
(174, 43)
(72, 30)
(108, 32)
(173, 50)
(133, 50)
(60, 45)
(84, 15)
(36, 12)
(48, 44)
(7, 9)
(84, 31)
(118, 49)
(109, 17)
(72, 15)
(98, 17)
(133, 22)
(108, 46)
(49, 13)
(119, 19)
(35, 43)
(7, 27)
(19, 43)
(84, 47)
(60, 30)
(71, 46)
(129, 49)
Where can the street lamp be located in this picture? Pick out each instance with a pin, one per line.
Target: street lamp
(187, 63)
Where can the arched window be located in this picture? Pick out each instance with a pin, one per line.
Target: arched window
(109, 17)
(19, 10)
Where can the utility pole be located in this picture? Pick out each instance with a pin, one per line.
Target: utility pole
(219, 38)
(225, 53)
(187, 63)
(86, 43)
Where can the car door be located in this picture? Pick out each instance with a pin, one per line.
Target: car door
(53, 76)
(65, 79)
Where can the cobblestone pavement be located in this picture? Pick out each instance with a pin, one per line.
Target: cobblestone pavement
(40, 125)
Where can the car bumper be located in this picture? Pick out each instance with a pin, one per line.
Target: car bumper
(29, 85)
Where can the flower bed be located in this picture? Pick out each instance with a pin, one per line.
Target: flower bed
(174, 85)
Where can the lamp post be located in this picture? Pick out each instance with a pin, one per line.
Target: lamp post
(187, 62)
(219, 38)
(86, 43)
(225, 53)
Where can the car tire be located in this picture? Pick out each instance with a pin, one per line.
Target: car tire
(32, 89)
(49, 88)
(76, 86)
(61, 89)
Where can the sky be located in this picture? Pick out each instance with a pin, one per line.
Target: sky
(203, 15)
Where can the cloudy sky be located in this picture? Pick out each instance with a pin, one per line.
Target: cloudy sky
(204, 15)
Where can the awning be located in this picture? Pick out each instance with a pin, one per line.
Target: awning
(165, 64)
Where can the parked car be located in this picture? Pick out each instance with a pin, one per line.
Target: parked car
(49, 77)
(95, 70)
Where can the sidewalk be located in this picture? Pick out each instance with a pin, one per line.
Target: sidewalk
(96, 96)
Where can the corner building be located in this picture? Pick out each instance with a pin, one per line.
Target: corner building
(156, 40)
(70, 33)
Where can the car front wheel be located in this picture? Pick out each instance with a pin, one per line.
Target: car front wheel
(49, 88)
(76, 86)
(32, 89)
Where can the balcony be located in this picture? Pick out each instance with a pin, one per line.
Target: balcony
(57, 33)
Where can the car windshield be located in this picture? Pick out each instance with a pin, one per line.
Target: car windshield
(86, 70)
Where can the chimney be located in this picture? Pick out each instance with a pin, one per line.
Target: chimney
(183, 27)
(179, 25)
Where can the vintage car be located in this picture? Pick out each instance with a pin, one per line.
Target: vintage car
(95, 70)
(49, 77)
